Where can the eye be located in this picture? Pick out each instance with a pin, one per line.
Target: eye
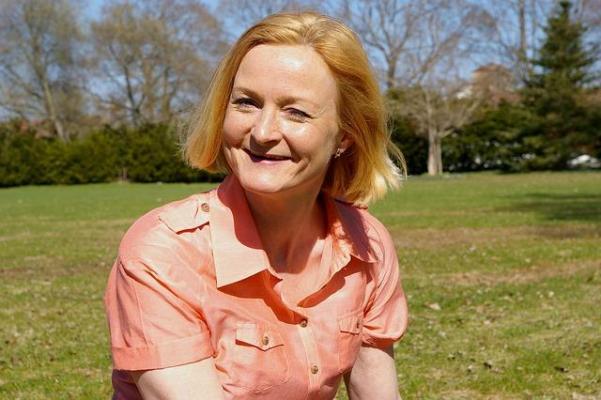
(297, 115)
(244, 103)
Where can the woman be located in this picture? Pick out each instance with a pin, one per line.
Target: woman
(276, 284)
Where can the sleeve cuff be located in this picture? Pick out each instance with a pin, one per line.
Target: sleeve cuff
(163, 355)
(380, 341)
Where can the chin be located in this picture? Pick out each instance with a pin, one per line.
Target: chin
(263, 184)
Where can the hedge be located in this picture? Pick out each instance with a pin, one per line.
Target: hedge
(147, 154)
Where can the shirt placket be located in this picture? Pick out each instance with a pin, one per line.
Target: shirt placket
(305, 331)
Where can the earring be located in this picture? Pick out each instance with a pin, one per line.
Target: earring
(338, 153)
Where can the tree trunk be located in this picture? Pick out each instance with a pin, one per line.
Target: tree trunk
(40, 71)
(134, 108)
(522, 50)
(165, 98)
(51, 113)
(522, 25)
(391, 72)
(434, 154)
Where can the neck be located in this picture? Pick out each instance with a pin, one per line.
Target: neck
(289, 226)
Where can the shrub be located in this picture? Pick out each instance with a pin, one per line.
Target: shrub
(414, 148)
(147, 154)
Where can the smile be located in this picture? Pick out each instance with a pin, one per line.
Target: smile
(265, 157)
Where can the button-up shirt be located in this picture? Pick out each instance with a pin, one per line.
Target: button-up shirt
(192, 281)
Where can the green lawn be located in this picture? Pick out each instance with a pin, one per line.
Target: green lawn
(502, 272)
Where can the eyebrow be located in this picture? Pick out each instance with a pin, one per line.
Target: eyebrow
(280, 100)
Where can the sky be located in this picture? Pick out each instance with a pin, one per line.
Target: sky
(94, 7)
(93, 10)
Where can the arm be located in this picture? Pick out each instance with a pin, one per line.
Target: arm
(189, 381)
(373, 376)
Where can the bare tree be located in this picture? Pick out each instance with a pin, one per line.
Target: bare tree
(239, 15)
(387, 27)
(154, 58)
(423, 47)
(588, 12)
(408, 40)
(437, 110)
(518, 27)
(39, 63)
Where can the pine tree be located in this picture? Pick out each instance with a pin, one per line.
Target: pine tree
(554, 92)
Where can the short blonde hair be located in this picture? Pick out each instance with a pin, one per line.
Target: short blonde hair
(366, 170)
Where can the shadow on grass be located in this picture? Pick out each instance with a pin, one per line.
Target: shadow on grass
(560, 207)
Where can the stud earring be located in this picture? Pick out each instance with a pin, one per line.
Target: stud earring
(338, 153)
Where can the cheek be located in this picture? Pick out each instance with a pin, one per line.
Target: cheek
(317, 144)
(233, 130)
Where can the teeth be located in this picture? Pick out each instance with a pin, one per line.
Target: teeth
(267, 156)
(270, 157)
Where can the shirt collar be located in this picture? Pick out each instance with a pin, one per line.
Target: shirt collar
(350, 232)
(185, 214)
(237, 249)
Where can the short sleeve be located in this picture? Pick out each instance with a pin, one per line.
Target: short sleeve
(386, 315)
(153, 319)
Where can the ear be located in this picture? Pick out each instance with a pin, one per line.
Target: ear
(345, 142)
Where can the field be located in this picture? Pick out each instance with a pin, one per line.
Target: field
(502, 272)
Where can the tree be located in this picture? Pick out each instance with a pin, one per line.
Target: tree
(240, 15)
(414, 147)
(40, 62)
(554, 92)
(421, 47)
(409, 40)
(154, 58)
(491, 139)
(517, 24)
(436, 111)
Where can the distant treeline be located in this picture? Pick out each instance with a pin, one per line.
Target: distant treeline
(146, 154)
(152, 153)
(140, 66)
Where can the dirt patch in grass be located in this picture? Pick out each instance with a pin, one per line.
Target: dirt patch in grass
(109, 227)
(48, 268)
(17, 236)
(465, 394)
(430, 212)
(436, 238)
(535, 273)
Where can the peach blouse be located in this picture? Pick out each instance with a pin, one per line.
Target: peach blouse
(191, 281)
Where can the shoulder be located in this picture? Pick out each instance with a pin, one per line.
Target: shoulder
(161, 228)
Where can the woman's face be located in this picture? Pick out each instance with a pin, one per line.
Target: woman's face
(281, 124)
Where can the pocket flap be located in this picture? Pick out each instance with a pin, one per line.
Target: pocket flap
(260, 336)
(350, 324)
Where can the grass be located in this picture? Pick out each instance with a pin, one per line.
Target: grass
(502, 272)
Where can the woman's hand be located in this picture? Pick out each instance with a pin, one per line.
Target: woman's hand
(197, 380)
(373, 375)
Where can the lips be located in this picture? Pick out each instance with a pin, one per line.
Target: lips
(266, 157)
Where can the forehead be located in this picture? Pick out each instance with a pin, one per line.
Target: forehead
(284, 70)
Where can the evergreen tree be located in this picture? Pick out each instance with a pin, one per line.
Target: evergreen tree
(554, 93)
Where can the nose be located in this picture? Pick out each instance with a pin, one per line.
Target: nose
(266, 129)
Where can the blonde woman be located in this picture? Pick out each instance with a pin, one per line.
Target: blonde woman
(278, 283)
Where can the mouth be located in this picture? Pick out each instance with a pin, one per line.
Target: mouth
(266, 157)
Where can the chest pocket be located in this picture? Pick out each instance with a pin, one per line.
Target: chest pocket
(349, 340)
(259, 360)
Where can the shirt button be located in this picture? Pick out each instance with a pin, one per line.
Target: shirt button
(265, 340)
(205, 207)
(314, 369)
(303, 323)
